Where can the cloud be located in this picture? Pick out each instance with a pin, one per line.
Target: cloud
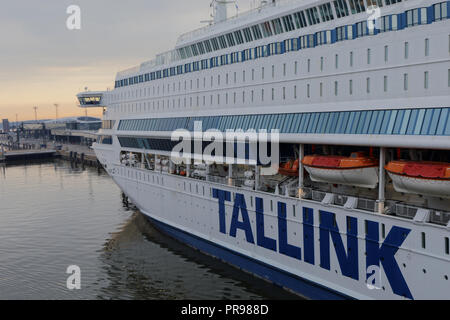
(42, 61)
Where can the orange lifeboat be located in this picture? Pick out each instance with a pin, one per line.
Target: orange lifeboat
(420, 177)
(289, 168)
(357, 170)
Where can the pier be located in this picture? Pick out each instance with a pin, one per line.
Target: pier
(31, 149)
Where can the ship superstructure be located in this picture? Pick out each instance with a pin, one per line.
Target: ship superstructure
(357, 92)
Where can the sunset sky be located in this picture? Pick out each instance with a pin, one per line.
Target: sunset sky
(43, 63)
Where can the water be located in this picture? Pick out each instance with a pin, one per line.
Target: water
(53, 216)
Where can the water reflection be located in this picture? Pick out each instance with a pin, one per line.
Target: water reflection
(54, 215)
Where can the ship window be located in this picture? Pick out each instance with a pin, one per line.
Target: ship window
(276, 23)
(440, 11)
(361, 29)
(222, 42)
(313, 16)
(215, 44)
(230, 39)
(238, 37)
(416, 17)
(326, 12)
(357, 6)
(389, 2)
(207, 45)
(447, 246)
(267, 31)
(257, 32)
(201, 48)
(424, 240)
(288, 23)
(300, 20)
(376, 3)
(341, 8)
(248, 35)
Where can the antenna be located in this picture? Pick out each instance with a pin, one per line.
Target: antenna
(56, 107)
(35, 113)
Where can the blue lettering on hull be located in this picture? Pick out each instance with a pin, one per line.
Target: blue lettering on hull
(347, 255)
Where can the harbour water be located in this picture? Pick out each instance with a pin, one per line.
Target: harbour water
(54, 215)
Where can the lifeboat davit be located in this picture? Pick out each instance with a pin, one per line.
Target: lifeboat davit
(289, 168)
(358, 170)
(420, 177)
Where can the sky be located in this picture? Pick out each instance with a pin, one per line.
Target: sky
(43, 63)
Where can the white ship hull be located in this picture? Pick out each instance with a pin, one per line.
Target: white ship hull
(328, 264)
(329, 84)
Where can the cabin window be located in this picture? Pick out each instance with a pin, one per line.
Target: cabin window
(341, 8)
(447, 246)
(348, 224)
(357, 6)
(424, 240)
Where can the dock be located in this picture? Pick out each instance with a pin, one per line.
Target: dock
(32, 150)
(22, 155)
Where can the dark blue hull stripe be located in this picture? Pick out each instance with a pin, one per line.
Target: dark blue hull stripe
(282, 278)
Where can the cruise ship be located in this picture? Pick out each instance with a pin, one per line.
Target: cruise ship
(306, 142)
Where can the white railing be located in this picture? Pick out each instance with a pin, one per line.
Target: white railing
(207, 29)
